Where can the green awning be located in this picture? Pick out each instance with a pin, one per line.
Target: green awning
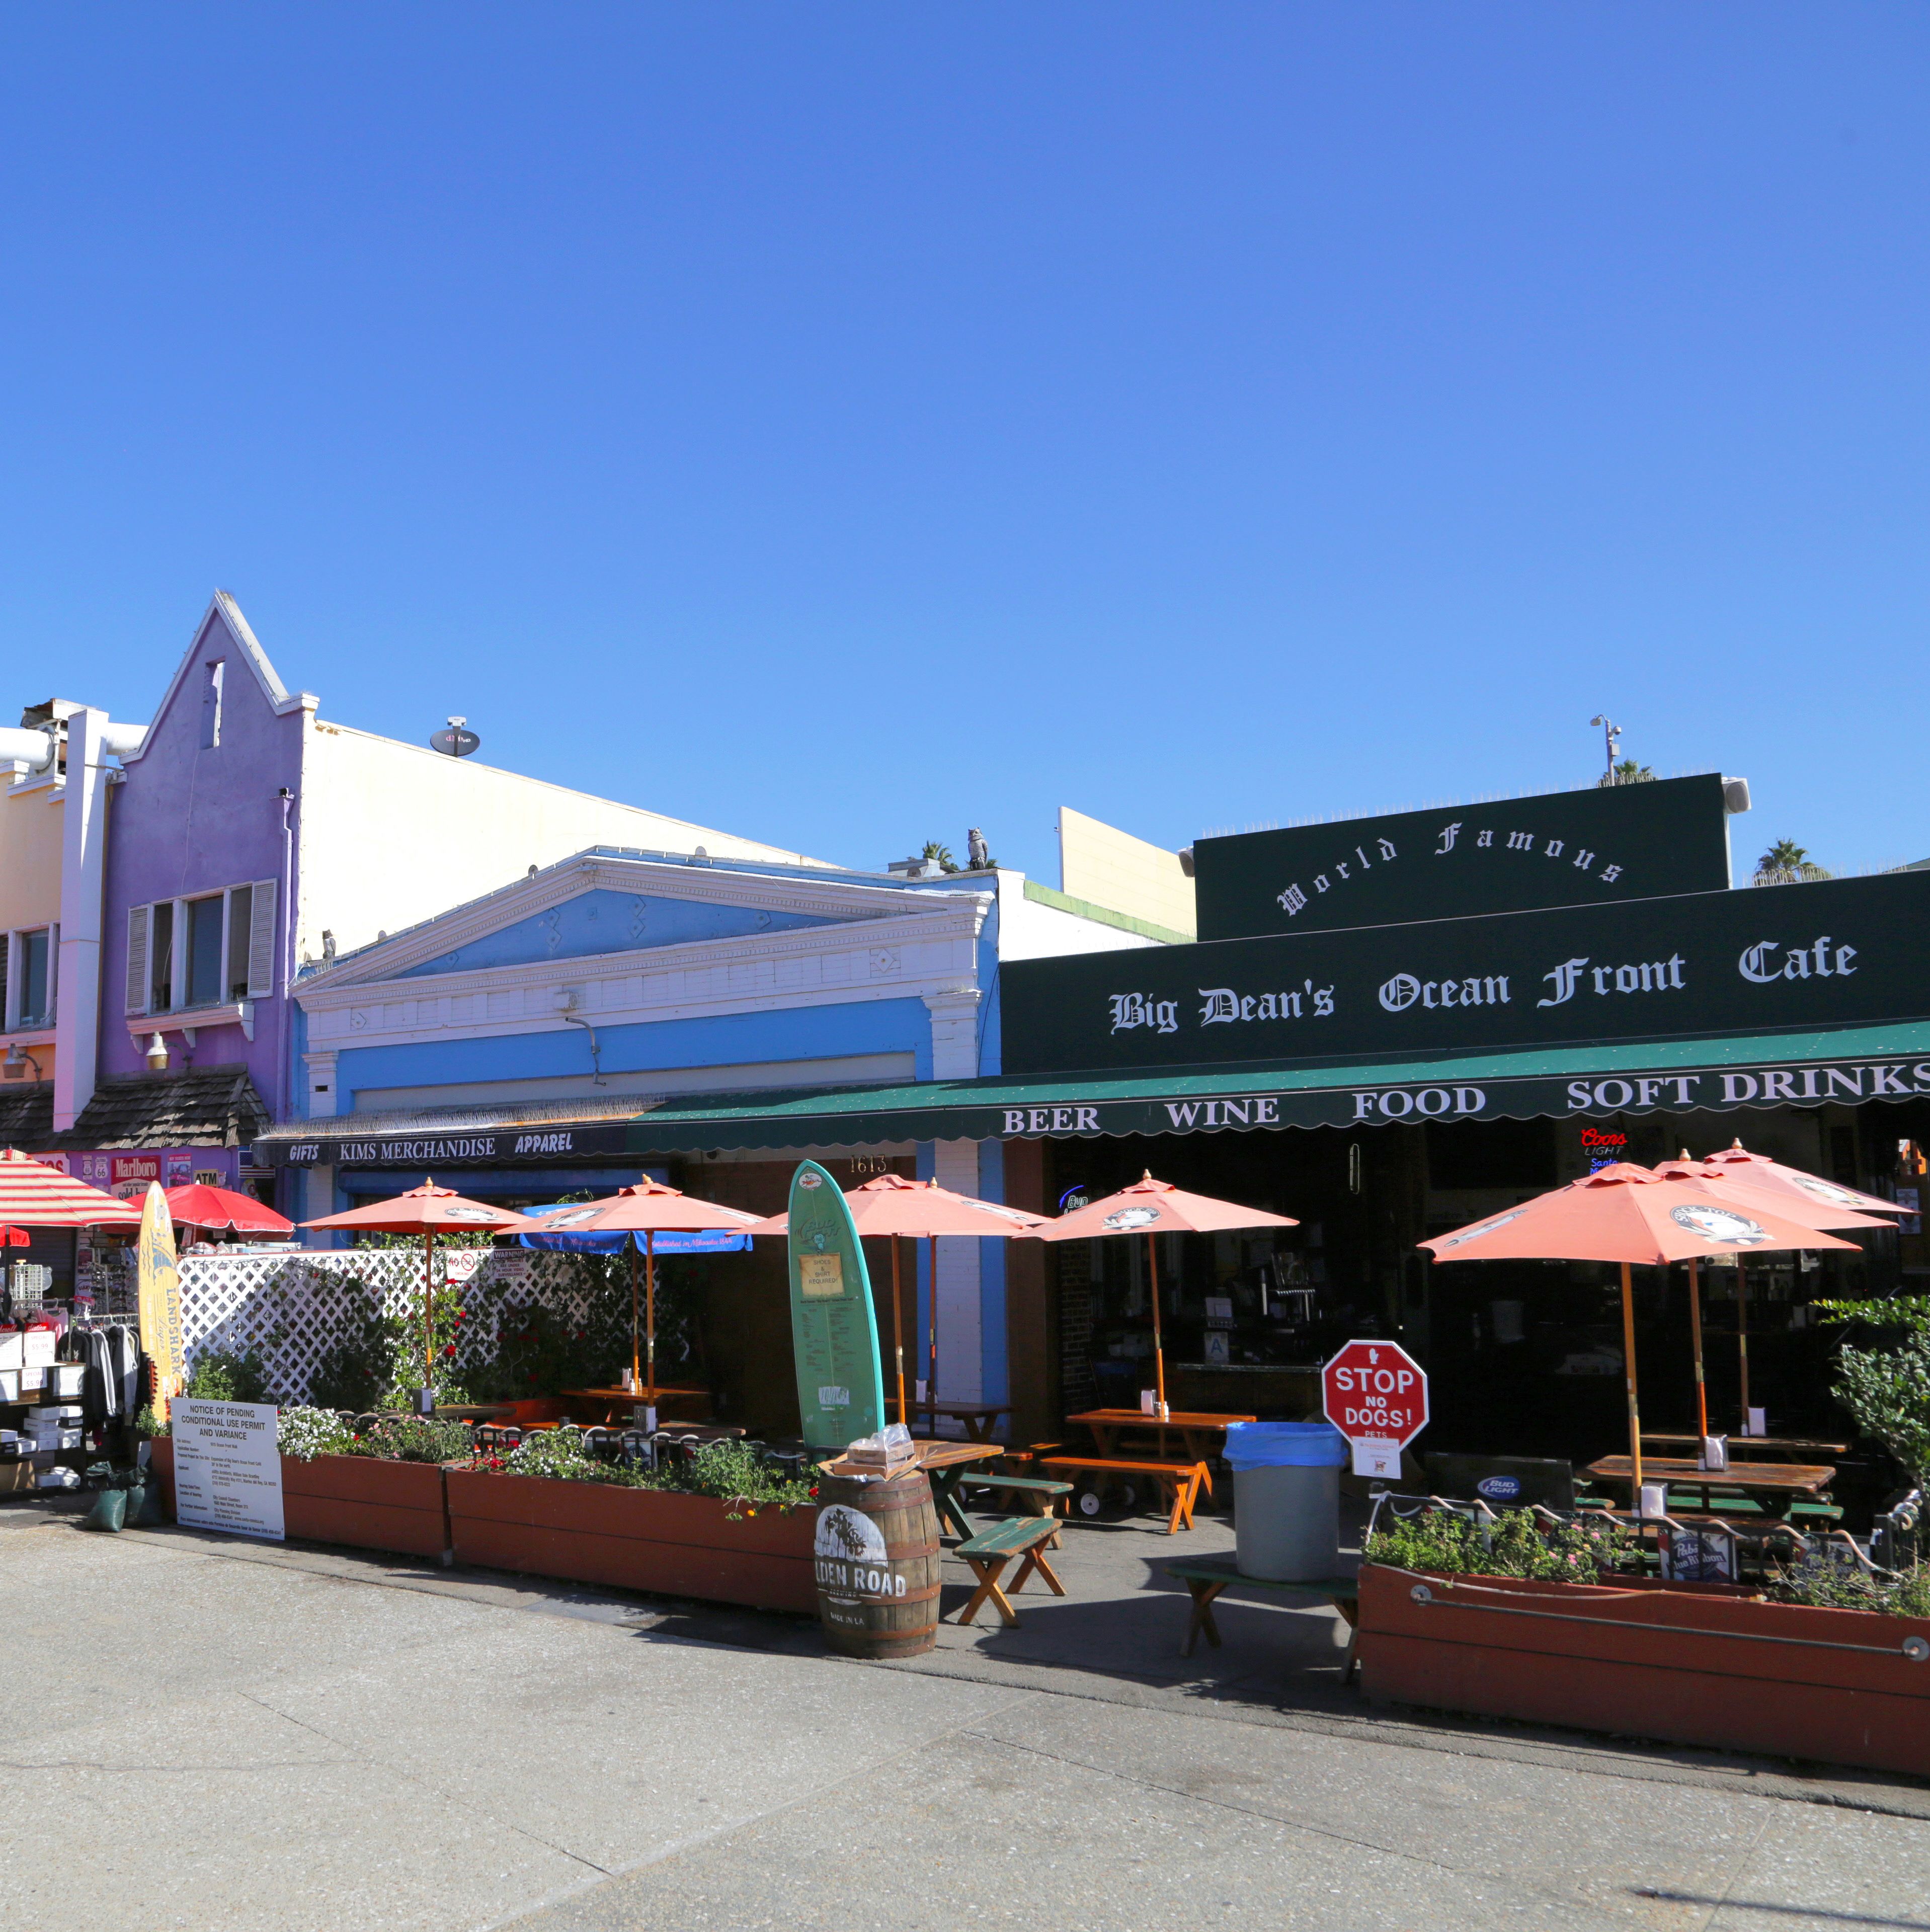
(1848, 1065)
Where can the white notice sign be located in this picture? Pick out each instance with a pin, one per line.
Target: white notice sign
(228, 1468)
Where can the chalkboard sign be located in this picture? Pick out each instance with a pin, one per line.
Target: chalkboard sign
(833, 1330)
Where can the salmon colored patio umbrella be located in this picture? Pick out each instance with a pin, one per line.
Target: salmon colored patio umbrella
(198, 1205)
(427, 1210)
(33, 1195)
(649, 1209)
(891, 1207)
(1151, 1208)
(1740, 1185)
(1629, 1215)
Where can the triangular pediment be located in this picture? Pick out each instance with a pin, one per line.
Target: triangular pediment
(602, 903)
(223, 633)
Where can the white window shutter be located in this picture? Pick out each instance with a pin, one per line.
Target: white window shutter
(261, 941)
(137, 959)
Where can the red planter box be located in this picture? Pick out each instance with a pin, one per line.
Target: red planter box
(355, 1500)
(1694, 1666)
(635, 1539)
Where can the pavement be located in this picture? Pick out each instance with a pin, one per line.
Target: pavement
(214, 1734)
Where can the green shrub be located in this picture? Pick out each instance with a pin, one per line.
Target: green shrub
(416, 1438)
(1515, 1545)
(1904, 1595)
(220, 1375)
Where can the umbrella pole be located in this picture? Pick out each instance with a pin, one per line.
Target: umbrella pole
(931, 1336)
(1743, 1336)
(1695, 1329)
(636, 1360)
(1158, 1347)
(650, 1315)
(429, 1313)
(898, 1331)
(1635, 1418)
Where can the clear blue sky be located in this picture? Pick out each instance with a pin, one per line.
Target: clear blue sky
(843, 425)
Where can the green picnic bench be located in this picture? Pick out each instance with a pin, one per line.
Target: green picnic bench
(988, 1552)
(1043, 1497)
(1208, 1576)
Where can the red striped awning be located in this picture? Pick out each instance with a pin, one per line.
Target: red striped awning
(33, 1195)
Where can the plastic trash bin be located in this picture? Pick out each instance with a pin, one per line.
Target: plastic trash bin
(1286, 1499)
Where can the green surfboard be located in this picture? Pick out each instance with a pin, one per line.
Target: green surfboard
(833, 1331)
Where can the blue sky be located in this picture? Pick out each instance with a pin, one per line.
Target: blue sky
(842, 425)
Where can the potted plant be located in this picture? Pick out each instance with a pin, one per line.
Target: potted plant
(1462, 1621)
(726, 1526)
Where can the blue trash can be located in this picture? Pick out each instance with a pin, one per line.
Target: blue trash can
(1286, 1499)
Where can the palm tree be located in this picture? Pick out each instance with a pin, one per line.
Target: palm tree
(940, 854)
(1787, 863)
(1627, 772)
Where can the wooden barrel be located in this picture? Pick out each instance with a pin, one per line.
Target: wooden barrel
(876, 1562)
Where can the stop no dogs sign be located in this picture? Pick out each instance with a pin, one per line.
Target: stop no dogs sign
(1375, 1394)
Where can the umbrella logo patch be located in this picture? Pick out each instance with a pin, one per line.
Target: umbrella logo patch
(1486, 1228)
(471, 1214)
(1130, 1217)
(1719, 1224)
(1837, 1197)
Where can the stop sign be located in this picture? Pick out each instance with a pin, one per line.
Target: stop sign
(1375, 1394)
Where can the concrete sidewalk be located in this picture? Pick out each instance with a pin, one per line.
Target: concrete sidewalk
(213, 1734)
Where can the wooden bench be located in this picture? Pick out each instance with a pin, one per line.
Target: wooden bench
(1180, 1480)
(1208, 1577)
(1029, 1536)
(1043, 1496)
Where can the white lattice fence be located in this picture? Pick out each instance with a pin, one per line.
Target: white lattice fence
(292, 1309)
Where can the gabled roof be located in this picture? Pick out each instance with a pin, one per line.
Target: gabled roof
(222, 609)
(815, 896)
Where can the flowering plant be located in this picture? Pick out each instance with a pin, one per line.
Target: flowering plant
(305, 1433)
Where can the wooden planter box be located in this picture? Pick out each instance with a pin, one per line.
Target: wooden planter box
(354, 1500)
(635, 1539)
(1695, 1666)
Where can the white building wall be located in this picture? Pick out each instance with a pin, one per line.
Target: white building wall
(392, 833)
(1027, 930)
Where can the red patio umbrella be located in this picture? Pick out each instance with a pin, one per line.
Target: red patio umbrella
(1741, 1185)
(427, 1210)
(33, 1195)
(198, 1205)
(891, 1207)
(1627, 1214)
(649, 1209)
(1736, 1161)
(1157, 1207)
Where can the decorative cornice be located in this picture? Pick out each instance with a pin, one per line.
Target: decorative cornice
(382, 963)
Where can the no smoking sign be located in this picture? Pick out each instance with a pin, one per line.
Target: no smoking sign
(1375, 1394)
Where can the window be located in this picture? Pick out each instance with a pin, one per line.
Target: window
(214, 949)
(27, 973)
(211, 709)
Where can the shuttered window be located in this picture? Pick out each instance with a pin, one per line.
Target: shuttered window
(261, 943)
(137, 959)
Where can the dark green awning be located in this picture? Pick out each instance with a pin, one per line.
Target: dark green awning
(1847, 1065)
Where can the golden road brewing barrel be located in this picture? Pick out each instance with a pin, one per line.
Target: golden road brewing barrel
(877, 1561)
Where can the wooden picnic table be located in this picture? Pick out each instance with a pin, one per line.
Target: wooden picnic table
(1771, 1479)
(1208, 1576)
(979, 1418)
(1779, 1447)
(1196, 1427)
(614, 1398)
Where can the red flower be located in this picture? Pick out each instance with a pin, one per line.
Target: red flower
(449, 1349)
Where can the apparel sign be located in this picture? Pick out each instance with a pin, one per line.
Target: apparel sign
(1836, 953)
(339, 1146)
(833, 1328)
(1612, 843)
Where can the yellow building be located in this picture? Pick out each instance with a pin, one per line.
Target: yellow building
(32, 788)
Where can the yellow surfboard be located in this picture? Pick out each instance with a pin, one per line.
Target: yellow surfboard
(159, 1299)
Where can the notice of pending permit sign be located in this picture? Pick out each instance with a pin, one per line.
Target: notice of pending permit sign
(227, 1467)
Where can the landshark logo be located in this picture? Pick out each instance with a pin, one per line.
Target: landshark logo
(1486, 1228)
(1718, 1224)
